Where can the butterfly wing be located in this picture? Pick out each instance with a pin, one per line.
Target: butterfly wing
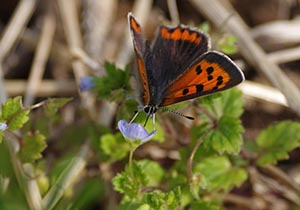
(143, 54)
(174, 49)
(212, 72)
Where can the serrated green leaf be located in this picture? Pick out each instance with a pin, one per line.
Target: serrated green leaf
(34, 145)
(228, 103)
(205, 205)
(130, 204)
(198, 131)
(13, 114)
(127, 109)
(153, 170)
(174, 198)
(226, 138)
(156, 199)
(276, 141)
(18, 120)
(144, 207)
(163, 200)
(114, 80)
(114, 146)
(11, 107)
(130, 181)
(53, 104)
(220, 174)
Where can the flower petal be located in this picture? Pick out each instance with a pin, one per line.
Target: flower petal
(3, 126)
(135, 131)
(86, 83)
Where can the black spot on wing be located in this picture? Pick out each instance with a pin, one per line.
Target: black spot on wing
(199, 88)
(185, 91)
(198, 70)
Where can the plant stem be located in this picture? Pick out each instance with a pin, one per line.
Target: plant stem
(28, 186)
(191, 158)
(130, 161)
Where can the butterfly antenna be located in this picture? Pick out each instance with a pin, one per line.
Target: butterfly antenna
(180, 114)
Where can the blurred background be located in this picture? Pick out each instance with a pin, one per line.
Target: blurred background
(46, 47)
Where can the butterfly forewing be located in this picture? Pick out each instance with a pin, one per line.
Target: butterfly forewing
(174, 49)
(213, 72)
(143, 54)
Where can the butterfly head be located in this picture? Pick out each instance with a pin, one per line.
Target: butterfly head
(150, 110)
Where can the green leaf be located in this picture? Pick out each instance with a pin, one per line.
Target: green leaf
(159, 135)
(226, 138)
(1, 136)
(130, 204)
(90, 191)
(115, 79)
(153, 170)
(130, 181)
(219, 173)
(127, 109)
(53, 104)
(276, 141)
(228, 103)
(198, 182)
(158, 200)
(205, 27)
(114, 146)
(205, 205)
(34, 145)
(13, 114)
(198, 131)
(10, 107)
(228, 44)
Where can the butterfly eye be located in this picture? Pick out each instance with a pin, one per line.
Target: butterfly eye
(147, 109)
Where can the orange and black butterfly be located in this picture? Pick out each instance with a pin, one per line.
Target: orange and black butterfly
(179, 66)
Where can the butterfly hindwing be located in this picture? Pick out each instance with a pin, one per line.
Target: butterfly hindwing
(143, 54)
(212, 72)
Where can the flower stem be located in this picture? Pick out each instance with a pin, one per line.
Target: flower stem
(191, 158)
(130, 161)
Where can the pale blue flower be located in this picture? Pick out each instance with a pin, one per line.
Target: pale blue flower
(3, 126)
(86, 83)
(135, 131)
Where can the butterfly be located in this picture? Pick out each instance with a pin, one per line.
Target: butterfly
(178, 66)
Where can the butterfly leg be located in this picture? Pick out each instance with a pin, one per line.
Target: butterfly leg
(135, 115)
(153, 120)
